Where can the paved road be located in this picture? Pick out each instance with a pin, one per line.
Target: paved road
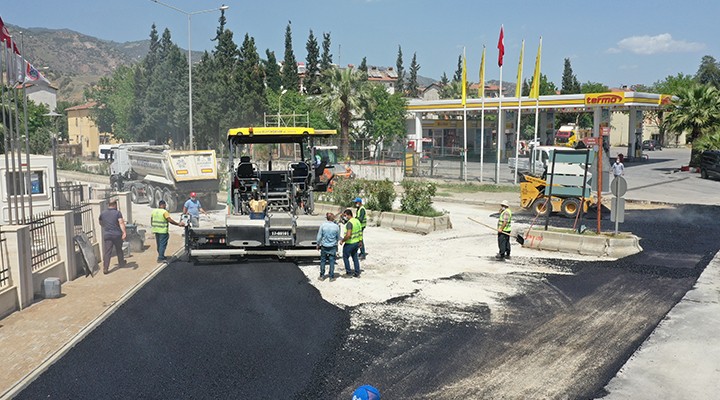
(265, 332)
(246, 331)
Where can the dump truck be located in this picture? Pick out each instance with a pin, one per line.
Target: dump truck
(155, 172)
(270, 202)
(570, 179)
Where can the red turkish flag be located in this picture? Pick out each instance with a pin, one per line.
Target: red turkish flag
(5, 36)
(501, 47)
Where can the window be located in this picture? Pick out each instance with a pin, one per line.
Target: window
(16, 180)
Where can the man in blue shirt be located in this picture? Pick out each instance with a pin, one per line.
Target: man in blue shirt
(327, 242)
(194, 208)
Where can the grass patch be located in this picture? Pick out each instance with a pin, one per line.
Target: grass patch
(476, 188)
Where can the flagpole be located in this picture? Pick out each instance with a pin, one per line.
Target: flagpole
(464, 91)
(501, 53)
(28, 183)
(482, 136)
(518, 94)
(3, 60)
(481, 94)
(535, 92)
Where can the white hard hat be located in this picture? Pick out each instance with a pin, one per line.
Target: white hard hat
(505, 203)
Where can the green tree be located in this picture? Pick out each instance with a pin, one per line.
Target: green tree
(444, 80)
(709, 141)
(400, 82)
(290, 79)
(115, 96)
(412, 86)
(709, 72)
(252, 89)
(312, 71)
(696, 111)
(458, 72)
(672, 84)
(385, 118)
(363, 65)
(272, 71)
(593, 87)
(570, 84)
(326, 58)
(343, 98)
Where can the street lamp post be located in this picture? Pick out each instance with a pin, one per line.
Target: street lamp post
(189, 15)
(56, 198)
(282, 92)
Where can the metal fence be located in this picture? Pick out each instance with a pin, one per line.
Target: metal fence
(44, 249)
(4, 263)
(84, 221)
(67, 196)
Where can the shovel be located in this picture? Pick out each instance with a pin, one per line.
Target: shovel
(518, 237)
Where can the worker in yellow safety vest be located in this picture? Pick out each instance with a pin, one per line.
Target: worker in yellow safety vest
(362, 217)
(159, 221)
(504, 228)
(351, 242)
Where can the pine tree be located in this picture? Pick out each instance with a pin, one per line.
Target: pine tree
(312, 70)
(400, 83)
(250, 74)
(570, 84)
(444, 80)
(363, 65)
(290, 79)
(412, 87)
(326, 59)
(458, 72)
(709, 72)
(272, 71)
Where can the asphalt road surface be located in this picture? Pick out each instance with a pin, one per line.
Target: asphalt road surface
(261, 331)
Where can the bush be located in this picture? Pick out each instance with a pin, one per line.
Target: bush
(379, 195)
(417, 198)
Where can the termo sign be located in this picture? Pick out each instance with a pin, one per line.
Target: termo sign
(604, 98)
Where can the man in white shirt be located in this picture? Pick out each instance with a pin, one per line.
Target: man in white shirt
(618, 168)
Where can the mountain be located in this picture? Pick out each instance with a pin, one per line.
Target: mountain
(74, 61)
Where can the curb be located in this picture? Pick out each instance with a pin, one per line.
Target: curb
(402, 222)
(601, 246)
(20, 385)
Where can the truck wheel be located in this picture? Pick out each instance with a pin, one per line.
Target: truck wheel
(171, 200)
(150, 193)
(211, 201)
(542, 207)
(158, 195)
(570, 207)
(134, 195)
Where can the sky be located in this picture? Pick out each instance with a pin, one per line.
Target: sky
(612, 42)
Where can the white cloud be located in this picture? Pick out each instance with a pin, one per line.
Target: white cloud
(662, 43)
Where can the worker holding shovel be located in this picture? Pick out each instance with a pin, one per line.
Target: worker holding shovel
(504, 229)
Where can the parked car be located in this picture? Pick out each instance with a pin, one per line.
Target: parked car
(651, 144)
(710, 164)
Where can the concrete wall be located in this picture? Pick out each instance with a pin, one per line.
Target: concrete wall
(378, 172)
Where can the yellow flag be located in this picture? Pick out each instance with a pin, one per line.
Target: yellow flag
(481, 86)
(535, 87)
(518, 88)
(464, 80)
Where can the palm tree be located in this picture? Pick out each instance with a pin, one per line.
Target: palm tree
(343, 96)
(697, 111)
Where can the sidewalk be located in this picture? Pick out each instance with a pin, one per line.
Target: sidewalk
(33, 338)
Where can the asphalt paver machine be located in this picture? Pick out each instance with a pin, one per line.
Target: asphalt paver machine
(270, 202)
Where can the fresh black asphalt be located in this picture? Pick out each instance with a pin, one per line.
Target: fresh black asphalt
(261, 331)
(246, 331)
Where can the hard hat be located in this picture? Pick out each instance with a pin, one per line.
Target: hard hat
(358, 200)
(505, 203)
(366, 392)
(193, 194)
